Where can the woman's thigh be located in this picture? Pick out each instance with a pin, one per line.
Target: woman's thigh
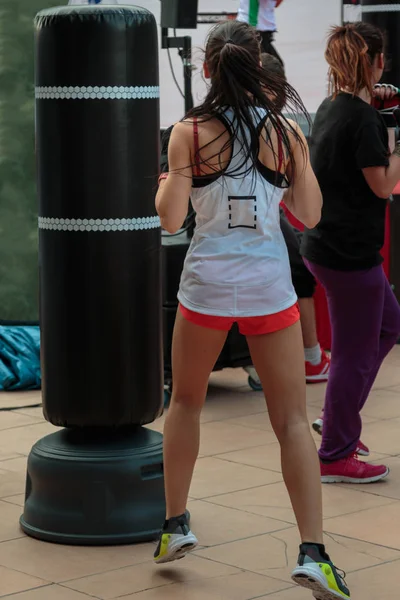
(279, 360)
(195, 350)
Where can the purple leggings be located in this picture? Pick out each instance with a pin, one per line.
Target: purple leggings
(365, 322)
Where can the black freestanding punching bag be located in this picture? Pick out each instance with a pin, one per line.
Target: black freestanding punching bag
(100, 480)
(385, 14)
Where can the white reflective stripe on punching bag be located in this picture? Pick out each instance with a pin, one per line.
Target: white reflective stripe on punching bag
(97, 92)
(54, 224)
(379, 8)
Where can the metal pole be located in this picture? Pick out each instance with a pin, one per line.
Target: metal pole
(187, 72)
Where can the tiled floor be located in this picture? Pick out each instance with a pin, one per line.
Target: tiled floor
(240, 509)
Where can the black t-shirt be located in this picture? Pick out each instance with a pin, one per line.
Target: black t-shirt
(348, 135)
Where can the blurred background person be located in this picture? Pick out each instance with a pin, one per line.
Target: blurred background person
(261, 15)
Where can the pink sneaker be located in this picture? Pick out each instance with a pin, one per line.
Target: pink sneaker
(362, 449)
(352, 470)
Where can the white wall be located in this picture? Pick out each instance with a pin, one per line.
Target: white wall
(302, 28)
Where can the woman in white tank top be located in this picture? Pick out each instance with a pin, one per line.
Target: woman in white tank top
(235, 155)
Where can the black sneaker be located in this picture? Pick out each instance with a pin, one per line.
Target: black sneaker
(176, 540)
(316, 572)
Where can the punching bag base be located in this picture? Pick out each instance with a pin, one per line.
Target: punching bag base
(95, 487)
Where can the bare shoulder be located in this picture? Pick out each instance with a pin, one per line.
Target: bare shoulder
(292, 127)
(182, 128)
(181, 135)
(295, 133)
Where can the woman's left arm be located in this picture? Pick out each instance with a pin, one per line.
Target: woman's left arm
(172, 199)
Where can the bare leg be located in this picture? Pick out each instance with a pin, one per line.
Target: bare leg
(285, 391)
(308, 322)
(194, 352)
(309, 331)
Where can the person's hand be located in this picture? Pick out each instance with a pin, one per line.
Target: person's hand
(385, 91)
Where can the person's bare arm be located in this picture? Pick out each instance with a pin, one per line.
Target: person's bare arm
(172, 200)
(383, 180)
(303, 198)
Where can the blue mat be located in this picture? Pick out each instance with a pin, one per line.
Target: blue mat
(20, 358)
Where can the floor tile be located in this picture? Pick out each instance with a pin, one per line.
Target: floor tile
(261, 420)
(378, 582)
(16, 399)
(9, 522)
(12, 582)
(36, 412)
(273, 501)
(394, 356)
(269, 456)
(138, 578)
(216, 524)
(11, 482)
(268, 500)
(21, 439)
(389, 375)
(383, 436)
(376, 525)
(16, 465)
(383, 404)
(50, 592)
(255, 421)
(222, 404)
(219, 437)
(17, 499)
(54, 562)
(8, 456)
(290, 593)
(263, 457)
(275, 554)
(213, 476)
(240, 586)
(9, 420)
(316, 394)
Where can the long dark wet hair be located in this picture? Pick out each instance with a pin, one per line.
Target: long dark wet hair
(239, 82)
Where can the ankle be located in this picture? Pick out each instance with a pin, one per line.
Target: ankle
(313, 355)
(305, 548)
(175, 515)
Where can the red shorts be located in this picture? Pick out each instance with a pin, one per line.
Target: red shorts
(247, 325)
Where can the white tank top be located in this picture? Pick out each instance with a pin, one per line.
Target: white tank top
(258, 13)
(237, 264)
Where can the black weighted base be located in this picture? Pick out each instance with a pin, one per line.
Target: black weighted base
(95, 487)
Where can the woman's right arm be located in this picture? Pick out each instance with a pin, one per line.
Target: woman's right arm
(383, 180)
(371, 153)
(303, 198)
